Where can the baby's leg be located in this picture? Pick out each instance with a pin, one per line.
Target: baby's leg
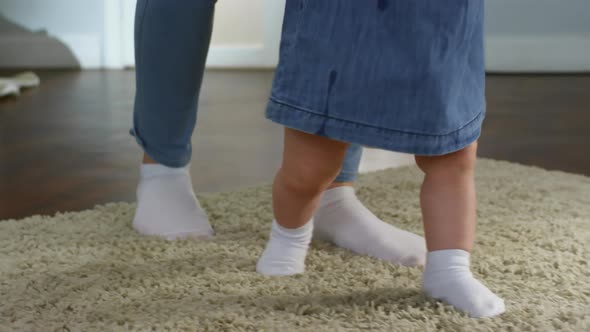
(449, 212)
(310, 164)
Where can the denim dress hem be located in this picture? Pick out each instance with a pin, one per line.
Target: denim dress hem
(312, 122)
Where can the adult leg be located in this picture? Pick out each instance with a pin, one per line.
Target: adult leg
(343, 220)
(171, 42)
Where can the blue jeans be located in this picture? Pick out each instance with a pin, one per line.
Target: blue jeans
(171, 44)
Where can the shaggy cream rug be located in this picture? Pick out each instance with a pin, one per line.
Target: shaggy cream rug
(89, 271)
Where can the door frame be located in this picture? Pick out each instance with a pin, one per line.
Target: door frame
(114, 34)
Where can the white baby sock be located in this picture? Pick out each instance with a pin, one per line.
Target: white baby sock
(343, 220)
(447, 278)
(285, 250)
(167, 205)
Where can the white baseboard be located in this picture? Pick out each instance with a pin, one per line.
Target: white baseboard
(521, 54)
(545, 54)
(240, 56)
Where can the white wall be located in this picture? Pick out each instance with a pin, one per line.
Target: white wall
(238, 22)
(535, 17)
(77, 23)
(246, 33)
(63, 16)
(100, 32)
(538, 35)
(522, 35)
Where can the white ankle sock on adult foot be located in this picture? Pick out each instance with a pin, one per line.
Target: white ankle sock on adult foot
(447, 277)
(167, 205)
(285, 250)
(343, 220)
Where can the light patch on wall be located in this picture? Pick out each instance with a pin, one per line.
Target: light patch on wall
(375, 160)
(239, 22)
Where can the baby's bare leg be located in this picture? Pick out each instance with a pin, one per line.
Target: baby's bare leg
(310, 165)
(449, 212)
(448, 199)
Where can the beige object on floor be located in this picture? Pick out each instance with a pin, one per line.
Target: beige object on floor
(13, 85)
(89, 271)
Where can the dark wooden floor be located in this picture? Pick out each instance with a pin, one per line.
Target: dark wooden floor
(65, 145)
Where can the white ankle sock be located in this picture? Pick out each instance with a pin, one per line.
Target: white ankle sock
(167, 205)
(285, 250)
(447, 277)
(343, 220)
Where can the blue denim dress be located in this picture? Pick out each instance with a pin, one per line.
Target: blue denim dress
(401, 75)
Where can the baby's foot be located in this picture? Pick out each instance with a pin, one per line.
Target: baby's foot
(285, 251)
(447, 278)
(167, 205)
(343, 220)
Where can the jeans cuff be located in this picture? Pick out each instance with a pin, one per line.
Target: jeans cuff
(346, 177)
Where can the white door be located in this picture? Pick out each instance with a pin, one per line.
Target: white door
(245, 33)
